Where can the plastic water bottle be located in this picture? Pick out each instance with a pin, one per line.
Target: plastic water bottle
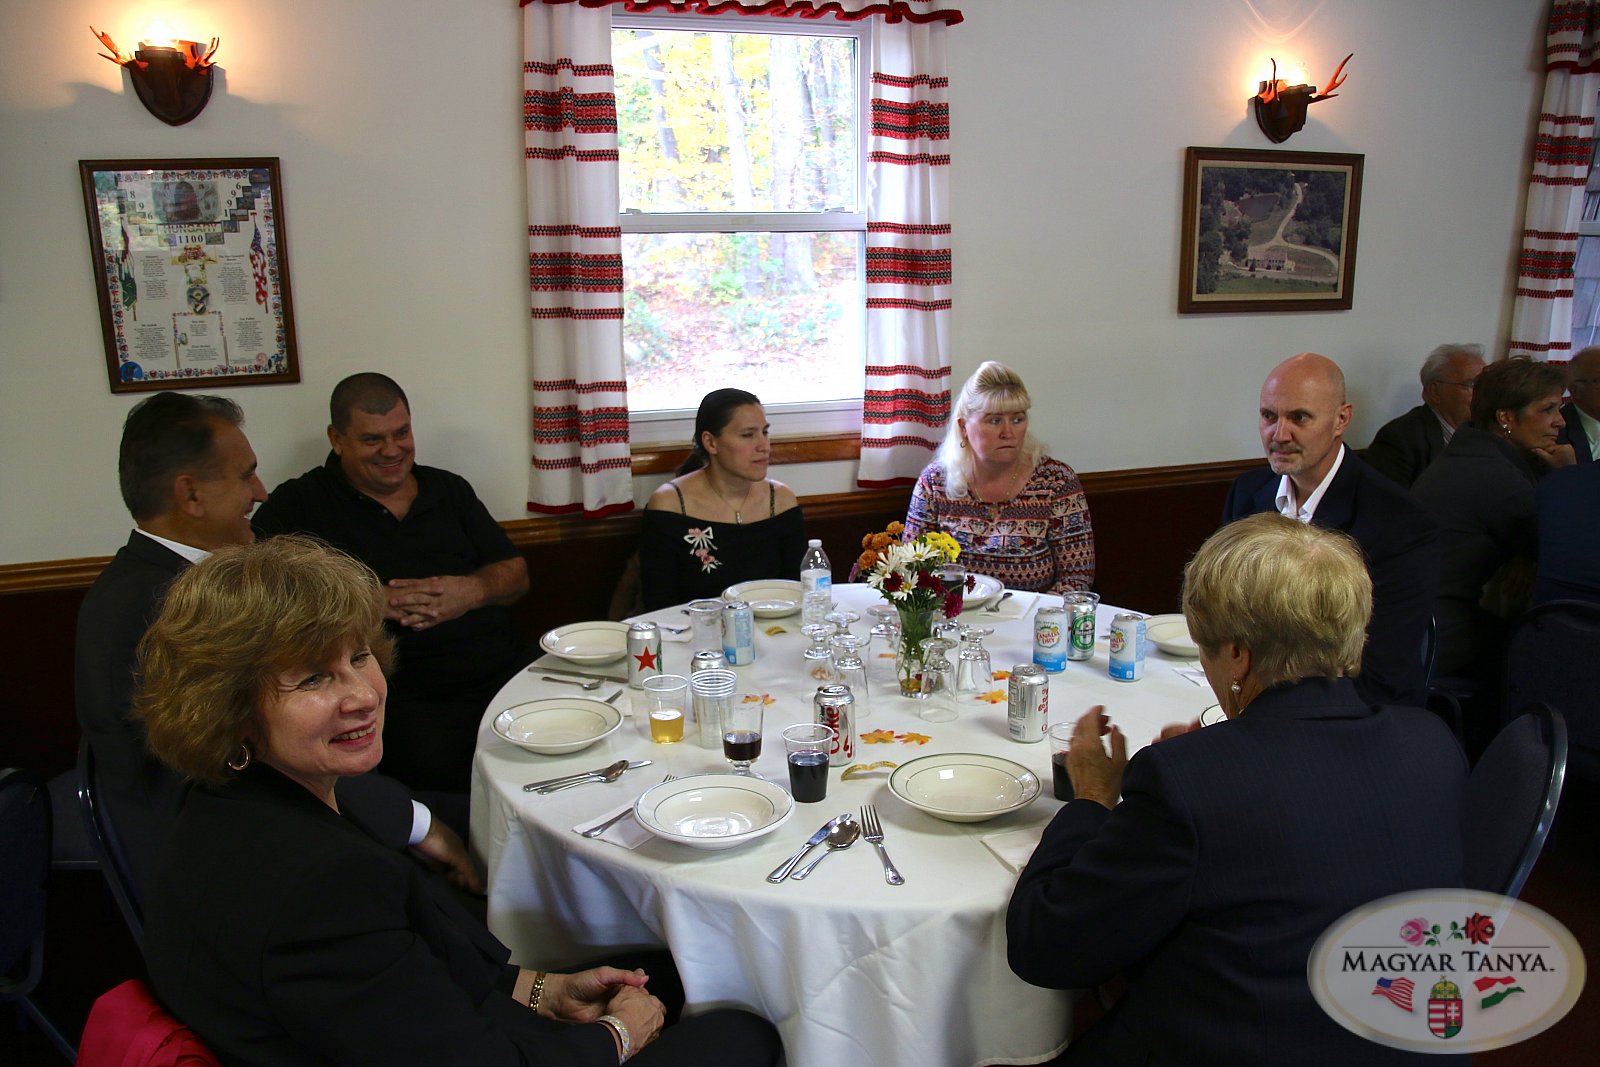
(816, 573)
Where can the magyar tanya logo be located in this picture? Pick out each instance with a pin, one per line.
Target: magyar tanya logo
(1446, 970)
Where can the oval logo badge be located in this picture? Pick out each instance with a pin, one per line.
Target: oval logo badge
(1446, 970)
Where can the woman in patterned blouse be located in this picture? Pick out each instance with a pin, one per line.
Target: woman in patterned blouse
(1020, 516)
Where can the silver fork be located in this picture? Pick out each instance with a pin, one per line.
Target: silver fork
(874, 834)
(596, 831)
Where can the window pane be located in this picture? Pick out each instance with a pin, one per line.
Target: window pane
(742, 122)
(779, 314)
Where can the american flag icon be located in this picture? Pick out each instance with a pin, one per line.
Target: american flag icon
(1398, 990)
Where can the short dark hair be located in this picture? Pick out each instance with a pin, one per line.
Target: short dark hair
(370, 391)
(1511, 385)
(164, 436)
(716, 411)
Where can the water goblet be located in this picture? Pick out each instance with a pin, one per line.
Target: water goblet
(851, 670)
(741, 734)
(815, 606)
(938, 682)
(842, 619)
(818, 660)
(974, 671)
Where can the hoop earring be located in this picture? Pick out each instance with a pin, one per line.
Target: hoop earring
(247, 753)
(963, 442)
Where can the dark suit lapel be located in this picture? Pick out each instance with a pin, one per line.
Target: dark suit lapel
(1337, 509)
(154, 553)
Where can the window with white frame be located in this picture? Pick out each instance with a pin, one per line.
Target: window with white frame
(743, 217)
(1586, 270)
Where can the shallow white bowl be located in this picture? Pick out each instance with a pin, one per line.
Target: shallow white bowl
(558, 725)
(984, 589)
(713, 811)
(587, 643)
(1170, 634)
(964, 786)
(769, 598)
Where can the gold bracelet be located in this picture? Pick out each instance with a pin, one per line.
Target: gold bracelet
(617, 1026)
(537, 991)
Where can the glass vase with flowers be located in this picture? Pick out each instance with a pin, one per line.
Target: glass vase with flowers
(906, 573)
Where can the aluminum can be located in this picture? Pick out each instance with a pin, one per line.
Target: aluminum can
(644, 653)
(1080, 623)
(1050, 638)
(708, 659)
(836, 707)
(1127, 647)
(738, 634)
(1028, 703)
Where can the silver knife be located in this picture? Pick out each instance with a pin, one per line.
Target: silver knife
(531, 786)
(812, 842)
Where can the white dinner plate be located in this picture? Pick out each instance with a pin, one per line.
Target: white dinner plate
(984, 589)
(558, 725)
(769, 598)
(587, 643)
(964, 786)
(713, 811)
(1170, 634)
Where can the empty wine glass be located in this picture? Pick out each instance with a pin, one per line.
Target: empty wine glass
(842, 619)
(850, 669)
(885, 640)
(818, 660)
(938, 682)
(974, 672)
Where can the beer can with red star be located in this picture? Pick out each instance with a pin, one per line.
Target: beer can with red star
(644, 653)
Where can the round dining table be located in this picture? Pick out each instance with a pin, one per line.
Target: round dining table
(851, 969)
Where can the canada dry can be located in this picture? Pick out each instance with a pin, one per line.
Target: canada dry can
(1127, 647)
(708, 659)
(1050, 639)
(1080, 621)
(644, 652)
(836, 707)
(1028, 703)
(738, 634)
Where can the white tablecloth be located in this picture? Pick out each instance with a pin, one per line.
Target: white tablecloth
(852, 970)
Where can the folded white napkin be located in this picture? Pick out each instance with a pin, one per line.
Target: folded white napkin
(1014, 847)
(627, 832)
(1015, 606)
(1194, 674)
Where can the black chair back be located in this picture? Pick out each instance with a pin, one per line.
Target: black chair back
(1511, 801)
(24, 870)
(107, 848)
(1553, 658)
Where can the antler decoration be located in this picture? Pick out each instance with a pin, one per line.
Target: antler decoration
(1333, 82)
(117, 56)
(173, 79)
(1281, 108)
(1270, 93)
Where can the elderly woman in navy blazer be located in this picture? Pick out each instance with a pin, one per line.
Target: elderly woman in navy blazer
(276, 928)
(1235, 846)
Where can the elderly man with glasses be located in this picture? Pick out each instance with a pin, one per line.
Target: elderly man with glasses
(1405, 447)
(1582, 412)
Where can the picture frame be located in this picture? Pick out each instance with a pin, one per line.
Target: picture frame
(1268, 230)
(191, 269)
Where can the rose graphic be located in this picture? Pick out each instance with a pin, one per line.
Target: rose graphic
(1412, 931)
(1480, 929)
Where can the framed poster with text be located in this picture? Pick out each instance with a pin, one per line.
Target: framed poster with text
(192, 272)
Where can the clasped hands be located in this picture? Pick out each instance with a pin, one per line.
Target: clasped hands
(1097, 774)
(418, 603)
(583, 997)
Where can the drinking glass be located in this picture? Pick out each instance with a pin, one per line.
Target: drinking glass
(1060, 746)
(817, 657)
(850, 669)
(885, 641)
(666, 706)
(705, 620)
(712, 693)
(938, 682)
(741, 734)
(974, 671)
(953, 576)
(842, 619)
(816, 606)
(805, 746)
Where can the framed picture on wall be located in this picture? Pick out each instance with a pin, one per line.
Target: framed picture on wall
(192, 272)
(1268, 231)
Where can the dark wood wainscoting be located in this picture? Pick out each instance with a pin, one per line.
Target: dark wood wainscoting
(1147, 524)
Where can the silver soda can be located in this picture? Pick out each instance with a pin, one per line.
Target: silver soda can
(738, 634)
(1080, 623)
(836, 707)
(644, 653)
(708, 659)
(1027, 703)
(1050, 638)
(1127, 647)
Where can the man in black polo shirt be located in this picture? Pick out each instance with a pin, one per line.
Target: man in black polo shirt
(450, 570)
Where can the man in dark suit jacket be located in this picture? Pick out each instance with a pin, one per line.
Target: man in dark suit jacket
(1404, 447)
(188, 476)
(1582, 412)
(1314, 478)
(1569, 545)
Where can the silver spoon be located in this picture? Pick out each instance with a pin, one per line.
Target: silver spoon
(596, 831)
(610, 774)
(839, 838)
(588, 686)
(994, 609)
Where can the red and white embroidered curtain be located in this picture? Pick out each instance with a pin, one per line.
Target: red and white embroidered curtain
(580, 419)
(1541, 318)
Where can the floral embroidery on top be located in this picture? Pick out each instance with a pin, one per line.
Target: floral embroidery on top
(701, 544)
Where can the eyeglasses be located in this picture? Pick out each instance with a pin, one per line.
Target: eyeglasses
(1470, 385)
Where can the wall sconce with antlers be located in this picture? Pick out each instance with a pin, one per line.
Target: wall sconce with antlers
(1281, 108)
(173, 78)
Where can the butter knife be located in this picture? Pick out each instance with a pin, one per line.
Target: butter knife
(812, 842)
(531, 786)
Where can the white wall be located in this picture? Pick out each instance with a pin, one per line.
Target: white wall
(398, 124)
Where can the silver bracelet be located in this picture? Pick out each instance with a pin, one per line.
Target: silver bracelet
(621, 1029)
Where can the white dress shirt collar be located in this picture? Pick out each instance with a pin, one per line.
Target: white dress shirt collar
(1308, 508)
(188, 552)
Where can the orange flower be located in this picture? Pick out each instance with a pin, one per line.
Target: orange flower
(878, 737)
(914, 739)
(994, 696)
(866, 561)
(895, 529)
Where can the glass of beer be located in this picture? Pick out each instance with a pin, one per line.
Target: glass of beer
(666, 706)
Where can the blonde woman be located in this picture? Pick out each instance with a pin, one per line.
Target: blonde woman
(1019, 516)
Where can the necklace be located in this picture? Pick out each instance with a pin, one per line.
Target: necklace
(1011, 486)
(737, 509)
